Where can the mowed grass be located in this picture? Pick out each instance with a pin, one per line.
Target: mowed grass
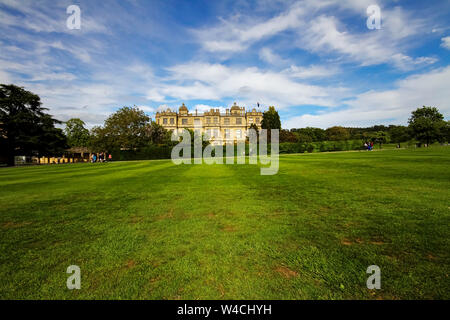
(154, 230)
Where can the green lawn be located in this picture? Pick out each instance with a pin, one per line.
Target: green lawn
(153, 230)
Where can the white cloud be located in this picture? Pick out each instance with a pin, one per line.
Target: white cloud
(147, 109)
(267, 55)
(323, 35)
(390, 106)
(237, 36)
(313, 71)
(203, 81)
(315, 27)
(445, 42)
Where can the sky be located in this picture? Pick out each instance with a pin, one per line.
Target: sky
(316, 61)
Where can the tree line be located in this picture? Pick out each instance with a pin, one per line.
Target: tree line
(426, 126)
(27, 130)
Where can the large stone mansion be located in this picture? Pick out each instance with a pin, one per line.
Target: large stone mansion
(230, 126)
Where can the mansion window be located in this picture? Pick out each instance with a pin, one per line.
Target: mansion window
(238, 133)
(250, 120)
(227, 133)
(215, 133)
(208, 120)
(165, 121)
(238, 121)
(216, 120)
(257, 120)
(184, 121)
(226, 121)
(172, 120)
(197, 122)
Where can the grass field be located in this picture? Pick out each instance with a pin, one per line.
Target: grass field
(153, 230)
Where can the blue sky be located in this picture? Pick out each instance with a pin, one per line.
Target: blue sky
(315, 61)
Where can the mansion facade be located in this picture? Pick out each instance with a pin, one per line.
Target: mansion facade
(230, 126)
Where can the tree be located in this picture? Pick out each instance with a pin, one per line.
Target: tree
(288, 136)
(447, 132)
(99, 140)
(399, 133)
(380, 137)
(127, 128)
(77, 134)
(158, 134)
(310, 134)
(25, 127)
(271, 119)
(337, 133)
(427, 125)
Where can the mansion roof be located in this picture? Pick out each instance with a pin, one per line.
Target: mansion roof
(234, 111)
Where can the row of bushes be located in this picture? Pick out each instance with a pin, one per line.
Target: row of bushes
(153, 152)
(323, 146)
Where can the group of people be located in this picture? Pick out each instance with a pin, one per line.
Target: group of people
(368, 146)
(101, 157)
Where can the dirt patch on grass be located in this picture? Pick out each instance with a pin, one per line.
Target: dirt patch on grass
(11, 224)
(168, 215)
(431, 257)
(228, 229)
(286, 272)
(348, 242)
(136, 219)
(130, 264)
(221, 290)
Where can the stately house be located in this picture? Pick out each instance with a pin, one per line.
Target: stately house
(230, 126)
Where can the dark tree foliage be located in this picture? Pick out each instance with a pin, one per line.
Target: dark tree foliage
(310, 134)
(271, 119)
(427, 125)
(25, 128)
(158, 134)
(396, 133)
(288, 136)
(337, 133)
(399, 133)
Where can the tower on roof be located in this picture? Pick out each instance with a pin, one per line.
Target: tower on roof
(183, 109)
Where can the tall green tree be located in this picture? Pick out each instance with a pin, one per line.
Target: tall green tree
(271, 119)
(77, 134)
(25, 128)
(127, 128)
(427, 125)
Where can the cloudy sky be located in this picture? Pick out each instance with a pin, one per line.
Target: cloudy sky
(316, 61)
